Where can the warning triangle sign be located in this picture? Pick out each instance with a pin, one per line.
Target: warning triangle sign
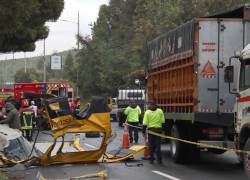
(208, 70)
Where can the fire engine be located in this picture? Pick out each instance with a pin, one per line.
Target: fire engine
(5, 93)
(56, 88)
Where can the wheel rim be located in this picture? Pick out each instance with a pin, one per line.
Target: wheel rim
(173, 147)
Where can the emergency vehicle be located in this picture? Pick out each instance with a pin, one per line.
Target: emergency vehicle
(56, 88)
(5, 93)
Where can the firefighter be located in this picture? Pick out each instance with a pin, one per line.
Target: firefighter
(153, 120)
(133, 112)
(12, 118)
(27, 118)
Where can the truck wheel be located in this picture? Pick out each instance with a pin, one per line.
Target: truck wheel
(246, 161)
(192, 150)
(177, 148)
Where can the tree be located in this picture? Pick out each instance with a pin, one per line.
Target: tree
(70, 68)
(23, 22)
(117, 52)
(28, 77)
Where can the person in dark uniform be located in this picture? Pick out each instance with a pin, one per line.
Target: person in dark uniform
(133, 112)
(27, 119)
(153, 120)
(12, 118)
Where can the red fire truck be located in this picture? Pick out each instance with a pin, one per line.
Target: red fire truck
(5, 93)
(56, 88)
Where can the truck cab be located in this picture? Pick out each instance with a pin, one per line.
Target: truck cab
(242, 105)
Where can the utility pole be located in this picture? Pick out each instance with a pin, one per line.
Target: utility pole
(78, 30)
(13, 63)
(44, 62)
(25, 63)
(78, 47)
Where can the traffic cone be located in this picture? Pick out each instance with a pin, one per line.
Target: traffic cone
(125, 138)
(146, 150)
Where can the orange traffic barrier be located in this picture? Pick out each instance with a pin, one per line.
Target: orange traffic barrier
(146, 150)
(125, 138)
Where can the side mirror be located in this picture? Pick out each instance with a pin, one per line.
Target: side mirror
(229, 74)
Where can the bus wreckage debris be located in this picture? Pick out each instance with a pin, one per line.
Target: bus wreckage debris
(15, 149)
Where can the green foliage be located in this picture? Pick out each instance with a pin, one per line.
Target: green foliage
(30, 76)
(8, 68)
(70, 68)
(117, 52)
(23, 22)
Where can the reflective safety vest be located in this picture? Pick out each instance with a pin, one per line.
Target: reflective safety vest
(154, 119)
(27, 118)
(132, 113)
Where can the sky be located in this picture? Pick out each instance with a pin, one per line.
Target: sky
(62, 35)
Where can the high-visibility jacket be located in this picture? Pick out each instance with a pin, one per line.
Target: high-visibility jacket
(27, 117)
(154, 119)
(132, 113)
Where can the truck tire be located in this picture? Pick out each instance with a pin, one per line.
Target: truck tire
(177, 148)
(246, 158)
(193, 152)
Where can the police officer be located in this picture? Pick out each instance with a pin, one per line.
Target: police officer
(153, 120)
(132, 112)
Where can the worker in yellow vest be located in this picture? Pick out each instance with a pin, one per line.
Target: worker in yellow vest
(153, 120)
(133, 112)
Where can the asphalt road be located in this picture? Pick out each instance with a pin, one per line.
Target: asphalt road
(210, 167)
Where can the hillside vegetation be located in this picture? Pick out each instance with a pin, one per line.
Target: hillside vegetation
(14, 70)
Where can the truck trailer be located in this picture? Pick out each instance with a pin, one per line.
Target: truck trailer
(186, 79)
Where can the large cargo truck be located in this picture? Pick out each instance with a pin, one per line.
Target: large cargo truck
(186, 78)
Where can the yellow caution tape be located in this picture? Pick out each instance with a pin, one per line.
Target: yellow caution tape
(136, 149)
(192, 142)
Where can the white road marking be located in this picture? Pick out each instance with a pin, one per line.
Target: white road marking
(166, 175)
(89, 145)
